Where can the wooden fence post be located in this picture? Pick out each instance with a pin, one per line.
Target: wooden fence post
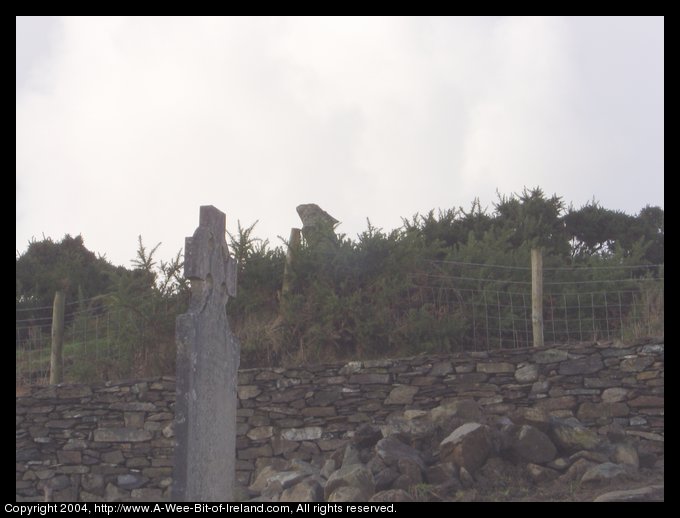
(56, 358)
(537, 295)
(293, 247)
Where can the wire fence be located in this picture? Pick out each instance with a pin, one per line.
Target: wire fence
(493, 302)
(478, 306)
(102, 340)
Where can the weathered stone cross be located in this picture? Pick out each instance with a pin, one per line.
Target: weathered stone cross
(207, 367)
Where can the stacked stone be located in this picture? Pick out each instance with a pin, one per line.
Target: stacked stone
(109, 442)
(304, 413)
(308, 413)
(455, 447)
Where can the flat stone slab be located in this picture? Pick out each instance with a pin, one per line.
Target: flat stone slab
(121, 435)
(636, 364)
(643, 494)
(309, 433)
(365, 379)
(401, 395)
(495, 368)
(605, 472)
(587, 365)
(550, 356)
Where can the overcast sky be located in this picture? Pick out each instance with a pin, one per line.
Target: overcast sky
(125, 126)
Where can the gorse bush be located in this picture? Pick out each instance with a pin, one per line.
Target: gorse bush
(433, 285)
(445, 281)
(124, 327)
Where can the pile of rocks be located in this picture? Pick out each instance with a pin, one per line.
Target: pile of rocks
(453, 448)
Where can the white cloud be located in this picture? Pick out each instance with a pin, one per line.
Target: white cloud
(126, 125)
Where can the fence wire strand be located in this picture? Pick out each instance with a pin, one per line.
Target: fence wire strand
(489, 304)
(98, 343)
(576, 307)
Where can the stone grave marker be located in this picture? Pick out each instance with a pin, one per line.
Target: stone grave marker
(207, 367)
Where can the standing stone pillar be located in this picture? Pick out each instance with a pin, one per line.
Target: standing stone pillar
(317, 225)
(207, 367)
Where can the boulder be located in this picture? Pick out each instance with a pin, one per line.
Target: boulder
(466, 479)
(531, 445)
(598, 457)
(414, 423)
(576, 470)
(351, 456)
(355, 476)
(441, 473)
(287, 478)
(541, 474)
(468, 446)
(462, 408)
(605, 472)
(308, 490)
(366, 436)
(328, 468)
(385, 478)
(391, 450)
(391, 495)
(560, 464)
(570, 435)
(262, 479)
(410, 473)
(349, 494)
(626, 454)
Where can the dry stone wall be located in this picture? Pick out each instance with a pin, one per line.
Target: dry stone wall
(115, 441)
(110, 442)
